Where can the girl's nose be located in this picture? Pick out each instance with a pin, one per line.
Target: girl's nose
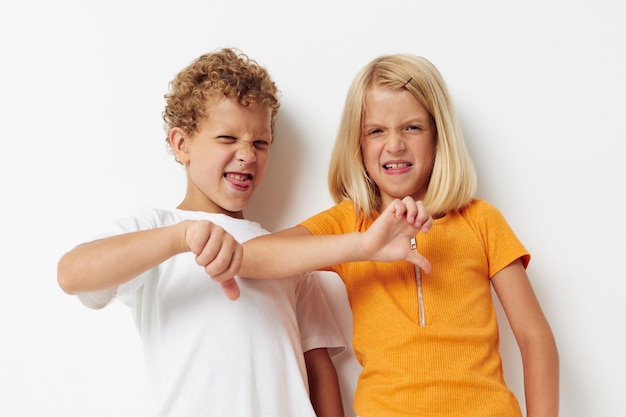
(395, 143)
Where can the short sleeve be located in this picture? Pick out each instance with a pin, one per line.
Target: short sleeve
(502, 245)
(142, 220)
(318, 328)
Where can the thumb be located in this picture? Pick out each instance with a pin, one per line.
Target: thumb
(419, 260)
(231, 289)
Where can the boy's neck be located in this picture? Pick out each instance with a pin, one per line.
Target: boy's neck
(186, 206)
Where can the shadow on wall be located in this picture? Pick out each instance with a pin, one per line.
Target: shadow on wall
(272, 201)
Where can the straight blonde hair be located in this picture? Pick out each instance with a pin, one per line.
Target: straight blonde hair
(453, 178)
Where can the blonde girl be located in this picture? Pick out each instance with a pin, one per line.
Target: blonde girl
(427, 339)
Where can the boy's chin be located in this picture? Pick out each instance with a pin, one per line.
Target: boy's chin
(235, 210)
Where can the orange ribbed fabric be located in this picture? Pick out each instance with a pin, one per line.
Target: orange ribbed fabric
(451, 366)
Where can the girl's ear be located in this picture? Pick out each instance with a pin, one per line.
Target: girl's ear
(178, 141)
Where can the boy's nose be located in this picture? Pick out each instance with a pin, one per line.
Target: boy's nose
(246, 154)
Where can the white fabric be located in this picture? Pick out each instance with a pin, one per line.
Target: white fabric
(209, 356)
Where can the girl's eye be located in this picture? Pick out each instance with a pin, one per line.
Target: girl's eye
(374, 132)
(414, 128)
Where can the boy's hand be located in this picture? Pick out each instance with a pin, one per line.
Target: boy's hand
(389, 237)
(217, 252)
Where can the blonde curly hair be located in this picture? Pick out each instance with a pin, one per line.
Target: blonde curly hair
(225, 73)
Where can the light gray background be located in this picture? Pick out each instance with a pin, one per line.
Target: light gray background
(539, 87)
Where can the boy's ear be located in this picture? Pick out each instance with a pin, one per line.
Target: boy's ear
(178, 141)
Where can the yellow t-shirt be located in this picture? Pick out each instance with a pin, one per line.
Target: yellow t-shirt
(451, 366)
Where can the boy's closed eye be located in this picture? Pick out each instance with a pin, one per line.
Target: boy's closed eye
(260, 144)
(227, 139)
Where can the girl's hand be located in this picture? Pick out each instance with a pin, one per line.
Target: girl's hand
(414, 211)
(389, 238)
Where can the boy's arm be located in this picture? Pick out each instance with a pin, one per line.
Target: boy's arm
(109, 262)
(295, 250)
(323, 383)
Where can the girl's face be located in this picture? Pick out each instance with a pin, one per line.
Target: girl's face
(398, 139)
(226, 160)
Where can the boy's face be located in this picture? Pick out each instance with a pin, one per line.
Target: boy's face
(226, 159)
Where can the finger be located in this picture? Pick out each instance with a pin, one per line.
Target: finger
(226, 264)
(197, 235)
(231, 289)
(411, 208)
(398, 208)
(423, 218)
(210, 251)
(419, 260)
(225, 276)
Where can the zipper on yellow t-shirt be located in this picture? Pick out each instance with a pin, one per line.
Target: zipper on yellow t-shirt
(420, 294)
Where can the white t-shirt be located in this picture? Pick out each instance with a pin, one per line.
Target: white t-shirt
(209, 356)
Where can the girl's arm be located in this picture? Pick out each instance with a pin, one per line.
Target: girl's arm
(540, 357)
(295, 250)
(110, 262)
(323, 383)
